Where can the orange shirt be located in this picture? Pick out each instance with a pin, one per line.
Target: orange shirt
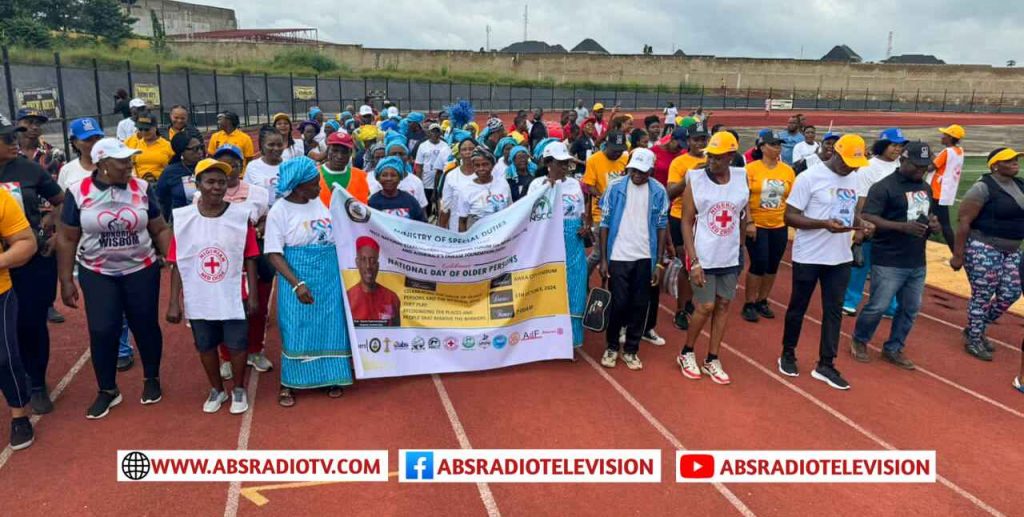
(357, 186)
(769, 189)
(12, 221)
(599, 174)
(677, 172)
(237, 138)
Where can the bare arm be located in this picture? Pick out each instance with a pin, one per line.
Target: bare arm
(689, 218)
(67, 242)
(676, 189)
(161, 234)
(174, 303)
(252, 303)
(969, 211)
(20, 248)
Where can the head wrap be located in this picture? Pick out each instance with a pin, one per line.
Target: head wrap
(504, 143)
(178, 145)
(485, 153)
(369, 162)
(344, 115)
(295, 172)
(391, 162)
(351, 124)
(459, 135)
(313, 112)
(304, 123)
(334, 124)
(416, 117)
(511, 171)
(394, 136)
(473, 127)
(389, 145)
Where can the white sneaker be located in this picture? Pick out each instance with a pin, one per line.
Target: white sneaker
(653, 338)
(214, 401)
(715, 371)
(225, 371)
(609, 358)
(688, 364)
(259, 362)
(632, 362)
(239, 401)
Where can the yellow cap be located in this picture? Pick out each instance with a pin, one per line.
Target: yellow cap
(852, 148)
(598, 107)
(1002, 156)
(722, 142)
(954, 131)
(474, 127)
(208, 164)
(279, 116)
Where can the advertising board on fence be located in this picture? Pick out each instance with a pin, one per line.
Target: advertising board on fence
(39, 99)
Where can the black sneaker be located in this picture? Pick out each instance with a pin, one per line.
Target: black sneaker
(829, 375)
(40, 402)
(764, 310)
(54, 316)
(981, 350)
(749, 313)
(151, 393)
(104, 401)
(21, 433)
(787, 366)
(125, 363)
(690, 308)
(681, 321)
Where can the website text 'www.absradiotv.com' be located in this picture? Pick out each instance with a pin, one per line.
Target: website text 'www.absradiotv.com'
(527, 466)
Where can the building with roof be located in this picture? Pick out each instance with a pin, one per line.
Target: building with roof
(299, 35)
(914, 59)
(588, 46)
(842, 53)
(533, 47)
(178, 17)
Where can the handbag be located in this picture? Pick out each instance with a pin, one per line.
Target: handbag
(598, 302)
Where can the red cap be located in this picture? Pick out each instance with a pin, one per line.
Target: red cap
(339, 138)
(366, 241)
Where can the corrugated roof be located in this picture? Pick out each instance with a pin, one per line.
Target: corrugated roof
(533, 47)
(842, 53)
(589, 46)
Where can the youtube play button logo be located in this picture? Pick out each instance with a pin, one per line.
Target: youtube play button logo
(695, 466)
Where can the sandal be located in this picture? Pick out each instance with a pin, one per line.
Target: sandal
(334, 392)
(285, 397)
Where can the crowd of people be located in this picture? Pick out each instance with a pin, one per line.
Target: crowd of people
(668, 203)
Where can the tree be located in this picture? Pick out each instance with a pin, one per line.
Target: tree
(1011, 63)
(58, 15)
(105, 19)
(159, 41)
(24, 32)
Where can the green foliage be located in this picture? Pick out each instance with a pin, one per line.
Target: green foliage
(105, 19)
(305, 58)
(25, 32)
(159, 41)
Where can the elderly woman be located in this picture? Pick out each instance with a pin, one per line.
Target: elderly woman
(577, 223)
(502, 151)
(410, 182)
(116, 228)
(484, 195)
(177, 184)
(520, 172)
(988, 238)
(453, 181)
(389, 197)
(299, 243)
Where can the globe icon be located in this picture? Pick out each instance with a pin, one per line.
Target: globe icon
(135, 465)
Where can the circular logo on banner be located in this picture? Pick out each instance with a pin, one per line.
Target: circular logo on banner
(722, 218)
(213, 264)
(135, 466)
(500, 341)
(513, 339)
(450, 343)
(375, 345)
(357, 211)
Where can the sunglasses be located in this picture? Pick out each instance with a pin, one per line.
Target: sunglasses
(194, 148)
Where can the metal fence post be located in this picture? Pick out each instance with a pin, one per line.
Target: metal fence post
(999, 107)
(430, 96)
(266, 94)
(917, 97)
(341, 95)
(188, 93)
(636, 96)
(291, 94)
(60, 102)
(552, 108)
(840, 108)
(817, 95)
(971, 108)
(245, 104)
(531, 98)
(490, 87)
(216, 93)
(701, 102)
(944, 100)
(131, 83)
(10, 85)
(96, 82)
(160, 89)
(747, 105)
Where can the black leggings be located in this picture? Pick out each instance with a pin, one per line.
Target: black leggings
(110, 299)
(942, 212)
(35, 284)
(12, 376)
(766, 250)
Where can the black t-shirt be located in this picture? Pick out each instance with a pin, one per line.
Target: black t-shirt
(30, 185)
(898, 199)
(402, 205)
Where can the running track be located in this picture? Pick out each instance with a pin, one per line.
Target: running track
(961, 407)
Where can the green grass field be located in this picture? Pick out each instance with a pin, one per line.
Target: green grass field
(974, 167)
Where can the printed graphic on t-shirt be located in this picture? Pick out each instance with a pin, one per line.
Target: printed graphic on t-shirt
(213, 264)
(569, 204)
(844, 204)
(189, 184)
(496, 202)
(400, 212)
(321, 230)
(722, 218)
(771, 193)
(14, 187)
(917, 205)
(118, 229)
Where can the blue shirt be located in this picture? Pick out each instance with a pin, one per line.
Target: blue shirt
(170, 190)
(402, 205)
(613, 204)
(789, 141)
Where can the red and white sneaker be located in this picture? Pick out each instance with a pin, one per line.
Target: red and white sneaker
(715, 371)
(688, 365)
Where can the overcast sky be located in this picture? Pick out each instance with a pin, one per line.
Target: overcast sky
(979, 31)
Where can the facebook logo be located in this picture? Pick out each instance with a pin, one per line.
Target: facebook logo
(419, 465)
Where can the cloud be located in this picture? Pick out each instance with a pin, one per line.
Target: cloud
(982, 31)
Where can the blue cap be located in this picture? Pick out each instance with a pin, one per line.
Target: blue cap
(680, 133)
(84, 128)
(893, 135)
(229, 148)
(831, 136)
(25, 113)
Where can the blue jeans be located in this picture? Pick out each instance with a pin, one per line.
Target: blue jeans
(904, 284)
(858, 277)
(124, 346)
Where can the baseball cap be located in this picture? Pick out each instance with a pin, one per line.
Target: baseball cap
(342, 139)
(7, 128)
(954, 131)
(229, 149)
(25, 113)
(393, 112)
(918, 153)
(893, 135)
(767, 136)
(136, 103)
(433, 126)
(1001, 155)
(831, 136)
(111, 148)
(144, 122)
(680, 134)
(615, 141)
(598, 107)
(365, 241)
(641, 160)
(722, 142)
(558, 151)
(84, 128)
(696, 129)
(365, 110)
(212, 164)
(851, 148)
(280, 116)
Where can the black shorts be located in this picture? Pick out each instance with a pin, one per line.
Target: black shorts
(234, 334)
(767, 250)
(675, 231)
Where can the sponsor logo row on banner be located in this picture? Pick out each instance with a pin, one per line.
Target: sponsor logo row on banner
(528, 466)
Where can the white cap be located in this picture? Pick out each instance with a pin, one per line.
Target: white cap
(111, 148)
(365, 110)
(642, 160)
(137, 103)
(393, 112)
(557, 151)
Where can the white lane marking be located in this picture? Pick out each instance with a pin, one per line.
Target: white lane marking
(244, 432)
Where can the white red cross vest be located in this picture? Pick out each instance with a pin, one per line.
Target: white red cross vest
(210, 253)
(720, 209)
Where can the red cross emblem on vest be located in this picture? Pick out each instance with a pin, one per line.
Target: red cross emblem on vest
(722, 218)
(213, 264)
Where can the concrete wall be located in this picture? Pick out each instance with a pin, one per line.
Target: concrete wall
(712, 73)
(181, 17)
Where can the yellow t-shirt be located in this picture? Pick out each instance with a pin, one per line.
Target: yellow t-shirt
(677, 172)
(769, 189)
(153, 158)
(518, 137)
(12, 221)
(599, 168)
(237, 137)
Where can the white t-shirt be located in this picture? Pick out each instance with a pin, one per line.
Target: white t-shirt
(452, 183)
(475, 200)
(812, 160)
(291, 224)
(822, 194)
(633, 242)
(876, 170)
(572, 195)
(432, 157)
(410, 183)
(71, 173)
(802, 150)
(670, 115)
(262, 174)
(293, 151)
(125, 129)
